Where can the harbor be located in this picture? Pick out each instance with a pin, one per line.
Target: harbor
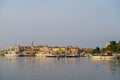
(59, 40)
(61, 52)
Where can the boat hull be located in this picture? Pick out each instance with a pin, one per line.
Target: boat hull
(39, 55)
(11, 55)
(103, 57)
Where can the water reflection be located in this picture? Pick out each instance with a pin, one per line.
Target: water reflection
(111, 66)
(115, 67)
(35, 68)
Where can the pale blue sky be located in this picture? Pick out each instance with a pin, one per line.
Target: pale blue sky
(82, 23)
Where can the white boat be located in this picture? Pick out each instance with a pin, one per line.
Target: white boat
(105, 57)
(50, 55)
(11, 54)
(40, 54)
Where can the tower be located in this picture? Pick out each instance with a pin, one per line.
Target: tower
(32, 43)
(32, 46)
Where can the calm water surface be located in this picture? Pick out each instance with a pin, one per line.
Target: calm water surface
(35, 68)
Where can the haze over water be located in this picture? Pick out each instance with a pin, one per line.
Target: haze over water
(34, 68)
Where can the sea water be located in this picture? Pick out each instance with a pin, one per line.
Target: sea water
(36, 68)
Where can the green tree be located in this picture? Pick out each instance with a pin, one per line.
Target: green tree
(103, 50)
(118, 46)
(112, 48)
(96, 50)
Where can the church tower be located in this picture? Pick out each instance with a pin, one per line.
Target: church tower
(32, 43)
(32, 46)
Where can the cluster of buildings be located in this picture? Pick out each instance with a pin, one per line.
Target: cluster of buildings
(55, 49)
(45, 49)
(48, 49)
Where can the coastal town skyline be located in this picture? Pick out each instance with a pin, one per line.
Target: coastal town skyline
(81, 23)
(32, 44)
(59, 40)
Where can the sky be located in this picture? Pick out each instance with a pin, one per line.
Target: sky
(82, 23)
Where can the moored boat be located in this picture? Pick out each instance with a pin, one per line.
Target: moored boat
(40, 54)
(11, 54)
(72, 55)
(105, 57)
(50, 55)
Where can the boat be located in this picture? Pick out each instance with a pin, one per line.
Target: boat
(11, 54)
(72, 55)
(40, 54)
(105, 57)
(50, 55)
